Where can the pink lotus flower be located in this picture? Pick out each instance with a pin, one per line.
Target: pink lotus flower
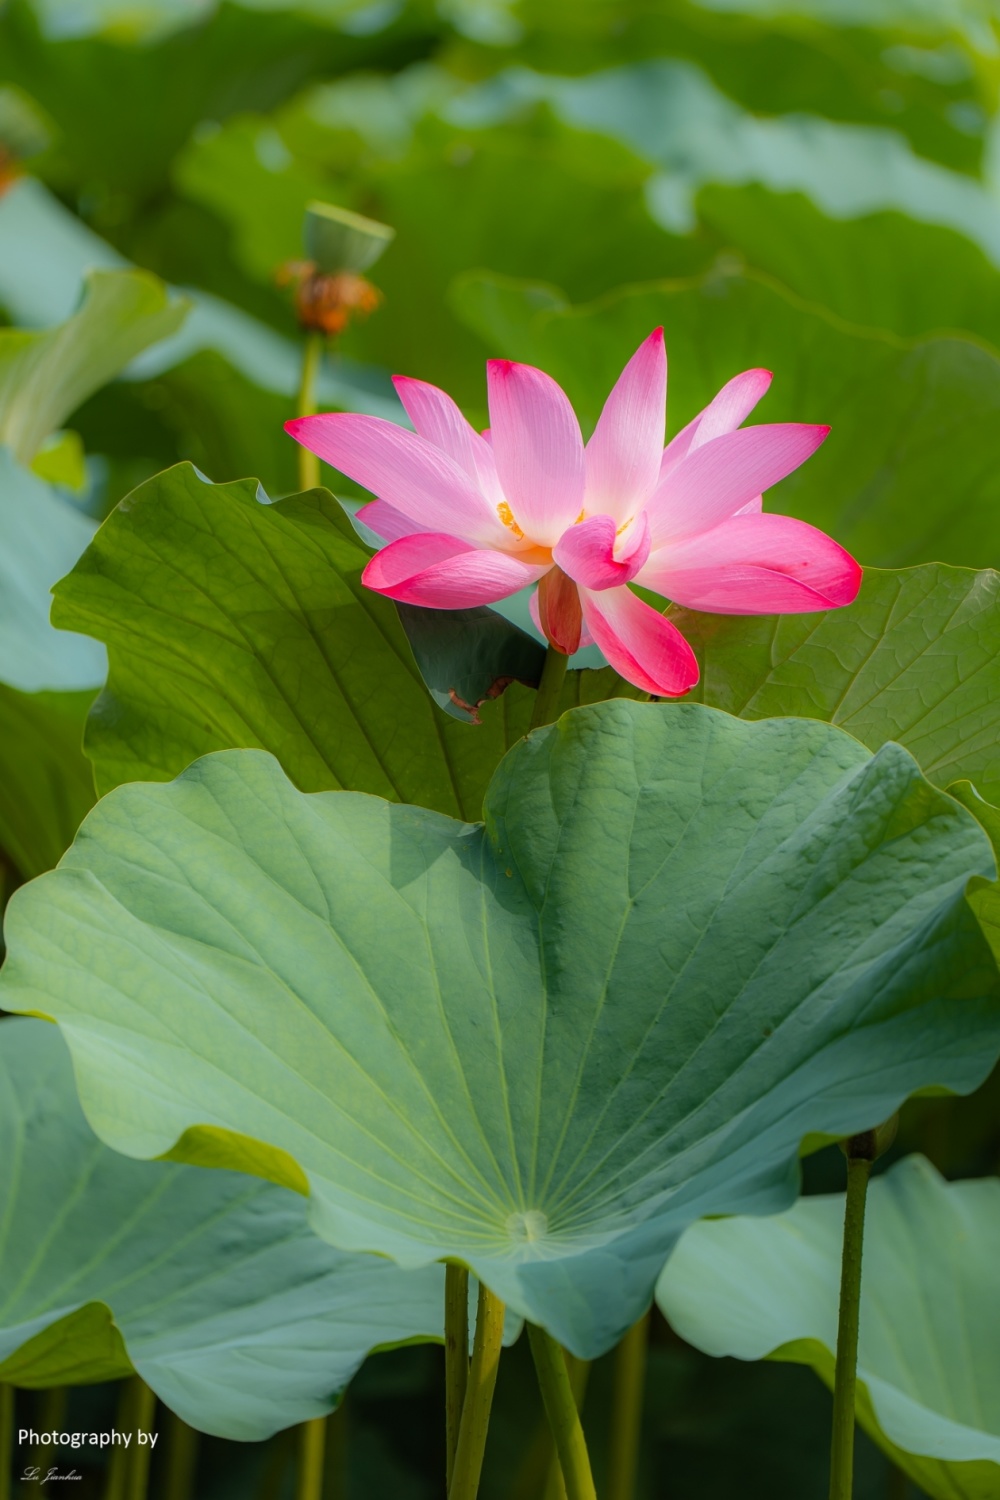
(471, 518)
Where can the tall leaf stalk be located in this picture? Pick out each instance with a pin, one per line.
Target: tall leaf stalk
(312, 355)
(626, 1410)
(861, 1151)
(478, 1397)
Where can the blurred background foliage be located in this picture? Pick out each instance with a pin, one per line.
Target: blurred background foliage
(813, 184)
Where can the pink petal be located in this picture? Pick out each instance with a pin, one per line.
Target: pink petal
(756, 565)
(586, 639)
(538, 449)
(641, 644)
(718, 479)
(724, 413)
(623, 456)
(444, 572)
(403, 469)
(387, 522)
(437, 418)
(587, 552)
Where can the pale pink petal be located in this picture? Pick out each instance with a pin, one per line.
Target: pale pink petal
(405, 470)
(437, 418)
(756, 565)
(538, 449)
(641, 644)
(586, 639)
(724, 413)
(386, 521)
(587, 552)
(623, 456)
(444, 572)
(718, 479)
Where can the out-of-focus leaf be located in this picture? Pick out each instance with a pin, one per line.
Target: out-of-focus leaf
(542, 1044)
(46, 783)
(41, 537)
(672, 115)
(210, 1284)
(536, 199)
(907, 474)
(883, 270)
(915, 659)
(61, 461)
(929, 1352)
(236, 623)
(44, 376)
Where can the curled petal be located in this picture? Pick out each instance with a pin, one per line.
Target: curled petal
(718, 479)
(756, 565)
(444, 572)
(403, 469)
(538, 449)
(437, 418)
(724, 413)
(587, 552)
(623, 456)
(642, 645)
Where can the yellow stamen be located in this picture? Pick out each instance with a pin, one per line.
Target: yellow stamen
(507, 517)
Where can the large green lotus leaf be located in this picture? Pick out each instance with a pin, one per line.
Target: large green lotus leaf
(46, 784)
(906, 475)
(41, 537)
(915, 659)
(45, 375)
(543, 1045)
(883, 269)
(210, 1284)
(929, 1351)
(236, 623)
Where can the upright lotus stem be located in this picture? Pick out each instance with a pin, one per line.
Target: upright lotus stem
(456, 1356)
(861, 1152)
(478, 1398)
(143, 1414)
(549, 688)
(563, 1414)
(579, 1373)
(626, 1410)
(181, 1459)
(312, 355)
(6, 1438)
(312, 1450)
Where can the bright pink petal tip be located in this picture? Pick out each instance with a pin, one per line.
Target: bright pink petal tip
(445, 572)
(642, 645)
(626, 450)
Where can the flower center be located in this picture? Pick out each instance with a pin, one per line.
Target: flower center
(507, 517)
